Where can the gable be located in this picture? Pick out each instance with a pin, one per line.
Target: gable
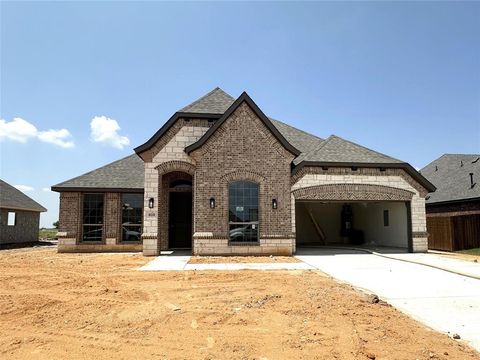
(244, 99)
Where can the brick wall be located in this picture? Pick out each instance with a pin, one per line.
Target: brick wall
(242, 149)
(70, 229)
(25, 228)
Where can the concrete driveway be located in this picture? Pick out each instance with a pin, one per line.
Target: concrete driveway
(444, 301)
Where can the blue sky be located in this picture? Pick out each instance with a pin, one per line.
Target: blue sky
(402, 78)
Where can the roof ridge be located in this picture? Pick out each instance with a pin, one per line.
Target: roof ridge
(217, 88)
(91, 171)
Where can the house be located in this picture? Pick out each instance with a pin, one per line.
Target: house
(453, 211)
(220, 177)
(19, 216)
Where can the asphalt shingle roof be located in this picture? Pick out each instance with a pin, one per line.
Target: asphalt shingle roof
(216, 101)
(337, 150)
(450, 173)
(126, 173)
(12, 198)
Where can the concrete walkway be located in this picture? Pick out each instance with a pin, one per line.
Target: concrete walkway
(442, 300)
(177, 260)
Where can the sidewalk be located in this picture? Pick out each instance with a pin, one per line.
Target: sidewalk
(176, 261)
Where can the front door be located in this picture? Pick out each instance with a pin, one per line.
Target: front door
(180, 220)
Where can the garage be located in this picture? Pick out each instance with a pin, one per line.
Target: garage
(353, 215)
(359, 223)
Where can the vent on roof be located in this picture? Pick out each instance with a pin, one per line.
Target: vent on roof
(461, 163)
(436, 168)
(472, 184)
(474, 161)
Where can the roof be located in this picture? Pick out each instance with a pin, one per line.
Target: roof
(336, 149)
(126, 174)
(216, 101)
(12, 198)
(244, 98)
(217, 105)
(450, 173)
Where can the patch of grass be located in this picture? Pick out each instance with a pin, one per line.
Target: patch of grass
(475, 251)
(47, 233)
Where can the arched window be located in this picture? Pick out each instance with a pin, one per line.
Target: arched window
(181, 184)
(243, 211)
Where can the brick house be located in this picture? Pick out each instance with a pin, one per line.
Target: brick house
(19, 216)
(453, 210)
(220, 177)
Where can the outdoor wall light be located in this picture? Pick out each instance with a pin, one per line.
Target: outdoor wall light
(212, 203)
(150, 203)
(274, 203)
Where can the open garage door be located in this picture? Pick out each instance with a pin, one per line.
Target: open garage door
(354, 223)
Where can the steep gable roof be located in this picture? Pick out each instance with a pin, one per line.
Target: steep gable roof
(450, 173)
(244, 98)
(216, 101)
(126, 174)
(12, 198)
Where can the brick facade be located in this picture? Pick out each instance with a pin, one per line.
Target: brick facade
(25, 229)
(70, 229)
(241, 148)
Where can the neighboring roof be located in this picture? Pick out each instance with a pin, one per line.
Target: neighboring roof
(336, 149)
(12, 198)
(244, 98)
(126, 174)
(450, 173)
(216, 101)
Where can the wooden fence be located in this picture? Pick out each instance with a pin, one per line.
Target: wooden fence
(453, 233)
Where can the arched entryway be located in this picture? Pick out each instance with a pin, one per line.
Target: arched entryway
(177, 207)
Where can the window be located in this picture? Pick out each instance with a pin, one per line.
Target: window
(11, 219)
(181, 184)
(243, 211)
(386, 220)
(132, 210)
(92, 217)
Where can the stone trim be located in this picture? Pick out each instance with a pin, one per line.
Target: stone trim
(242, 175)
(149, 154)
(360, 171)
(175, 165)
(352, 192)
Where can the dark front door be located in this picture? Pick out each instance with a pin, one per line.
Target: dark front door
(180, 220)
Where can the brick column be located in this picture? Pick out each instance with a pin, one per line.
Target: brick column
(69, 217)
(112, 218)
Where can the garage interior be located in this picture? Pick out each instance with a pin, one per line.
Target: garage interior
(368, 223)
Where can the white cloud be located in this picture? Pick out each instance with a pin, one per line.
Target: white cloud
(105, 130)
(21, 130)
(58, 137)
(24, 188)
(46, 189)
(17, 130)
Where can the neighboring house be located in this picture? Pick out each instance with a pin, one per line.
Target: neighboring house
(19, 216)
(453, 211)
(220, 177)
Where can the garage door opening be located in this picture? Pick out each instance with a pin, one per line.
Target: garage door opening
(369, 224)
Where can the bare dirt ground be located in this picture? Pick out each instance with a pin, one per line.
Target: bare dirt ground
(241, 259)
(98, 306)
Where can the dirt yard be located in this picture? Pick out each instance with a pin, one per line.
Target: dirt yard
(97, 306)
